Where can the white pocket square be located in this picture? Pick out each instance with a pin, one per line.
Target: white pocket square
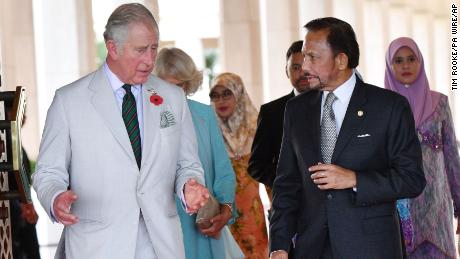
(364, 135)
(166, 119)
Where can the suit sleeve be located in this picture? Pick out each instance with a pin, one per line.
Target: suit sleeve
(224, 176)
(404, 176)
(188, 163)
(262, 166)
(51, 172)
(286, 193)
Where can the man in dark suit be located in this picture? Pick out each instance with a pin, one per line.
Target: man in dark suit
(349, 152)
(267, 141)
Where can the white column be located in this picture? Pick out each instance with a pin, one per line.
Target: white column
(17, 62)
(277, 35)
(240, 44)
(441, 40)
(399, 24)
(65, 51)
(312, 9)
(86, 36)
(421, 29)
(351, 11)
(345, 10)
(57, 52)
(372, 47)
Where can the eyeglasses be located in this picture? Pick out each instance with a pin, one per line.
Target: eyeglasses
(225, 95)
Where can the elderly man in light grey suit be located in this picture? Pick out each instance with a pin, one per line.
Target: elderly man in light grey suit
(118, 144)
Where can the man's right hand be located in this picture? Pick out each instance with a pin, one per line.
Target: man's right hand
(61, 207)
(280, 254)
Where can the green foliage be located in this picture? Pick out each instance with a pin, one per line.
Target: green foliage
(101, 52)
(210, 60)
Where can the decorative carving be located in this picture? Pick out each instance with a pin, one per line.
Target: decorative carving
(5, 223)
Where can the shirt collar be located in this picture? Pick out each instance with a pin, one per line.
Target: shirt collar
(296, 92)
(114, 81)
(344, 91)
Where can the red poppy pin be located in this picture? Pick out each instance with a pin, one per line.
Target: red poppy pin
(155, 98)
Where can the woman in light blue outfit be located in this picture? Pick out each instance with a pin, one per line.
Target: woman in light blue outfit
(175, 66)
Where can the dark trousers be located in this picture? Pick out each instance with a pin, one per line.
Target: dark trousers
(325, 254)
(327, 249)
(25, 242)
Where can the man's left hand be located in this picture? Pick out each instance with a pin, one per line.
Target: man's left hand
(329, 176)
(28, 213)
(196, 195)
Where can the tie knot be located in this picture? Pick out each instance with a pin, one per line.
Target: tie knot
(330, 98)
(127, 88)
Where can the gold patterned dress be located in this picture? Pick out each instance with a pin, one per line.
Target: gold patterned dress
(238, 130)
(249, 229)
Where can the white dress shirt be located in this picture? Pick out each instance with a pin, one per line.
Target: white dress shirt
(119, 93)
(339, 107)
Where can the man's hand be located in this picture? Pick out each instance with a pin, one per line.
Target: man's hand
(61, 207)
(281, 254)
(329, 176)
(28, 213)
(217, 222)
(196, 195)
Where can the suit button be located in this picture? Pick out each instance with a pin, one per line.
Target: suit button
(329, 196)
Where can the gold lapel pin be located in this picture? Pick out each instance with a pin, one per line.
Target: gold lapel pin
(360, 113)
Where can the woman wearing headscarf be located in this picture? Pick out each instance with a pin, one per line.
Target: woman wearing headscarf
(427, 220)
(176, 67)
(237, 118)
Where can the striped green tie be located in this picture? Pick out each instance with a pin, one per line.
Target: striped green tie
(129, 114)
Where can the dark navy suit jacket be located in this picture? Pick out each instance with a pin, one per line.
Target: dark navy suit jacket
(377, 140)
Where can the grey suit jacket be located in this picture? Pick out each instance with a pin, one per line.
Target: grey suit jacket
(85, 148)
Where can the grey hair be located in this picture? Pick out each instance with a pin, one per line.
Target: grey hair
(174, 62)
(116, 28)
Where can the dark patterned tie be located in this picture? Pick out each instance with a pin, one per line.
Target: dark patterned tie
(328, 129)
(129, 114)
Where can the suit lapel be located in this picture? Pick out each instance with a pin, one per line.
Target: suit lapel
(151, 120)
(105, 104)
(311, 128)
(356, 112)
(315, 124)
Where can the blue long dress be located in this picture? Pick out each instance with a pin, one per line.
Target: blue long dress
(219, 177)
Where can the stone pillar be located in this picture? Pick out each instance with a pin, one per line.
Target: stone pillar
(65, 46)
(86, 37)
(64, 53)
(17, 62)
(372, 47)
(240, 44)
(399, 24)
(277, 35)
(312, 9)
(153, 6)
(351, 11)
(421, 33)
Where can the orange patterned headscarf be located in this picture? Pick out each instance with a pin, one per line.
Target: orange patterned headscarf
(239, 129)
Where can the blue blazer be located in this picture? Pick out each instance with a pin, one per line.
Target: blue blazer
(219, 178)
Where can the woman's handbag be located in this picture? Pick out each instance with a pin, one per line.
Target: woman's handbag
(207, 212)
